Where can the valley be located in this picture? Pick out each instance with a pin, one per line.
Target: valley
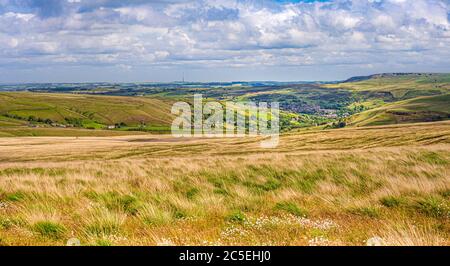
(355, 162)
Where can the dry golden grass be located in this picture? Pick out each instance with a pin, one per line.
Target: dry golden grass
(338, 187)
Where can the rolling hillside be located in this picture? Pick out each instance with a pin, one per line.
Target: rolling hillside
(396, 87)
(23, 109)
(420, 109)
(360, 101)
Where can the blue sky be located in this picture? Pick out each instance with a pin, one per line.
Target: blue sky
(219, 40)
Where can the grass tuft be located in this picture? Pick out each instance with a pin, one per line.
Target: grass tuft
(236, 216)
(104, 222)
(291, 208)
(371, 212)
(391, 201)
(50, 229)
(434, 207)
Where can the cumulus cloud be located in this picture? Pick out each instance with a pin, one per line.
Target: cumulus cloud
(219, 33)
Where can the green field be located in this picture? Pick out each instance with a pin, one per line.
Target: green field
(420, 109)
(400, 86)
(47, 111)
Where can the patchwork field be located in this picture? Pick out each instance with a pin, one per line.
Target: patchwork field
(47, 111)
(327, 187)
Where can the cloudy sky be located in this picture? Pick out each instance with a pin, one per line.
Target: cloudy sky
(219, 40)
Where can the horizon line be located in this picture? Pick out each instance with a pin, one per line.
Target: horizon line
(233, 81)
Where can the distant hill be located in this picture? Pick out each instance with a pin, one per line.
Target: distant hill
(387, 75)
(84, 111)
(397, 86)
(420, 109)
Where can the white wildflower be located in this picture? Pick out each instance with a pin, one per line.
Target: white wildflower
(3, 205)
(319, 241)
(375, 242)
(165, 242)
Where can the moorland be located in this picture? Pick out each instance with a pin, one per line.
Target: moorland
(366, 158)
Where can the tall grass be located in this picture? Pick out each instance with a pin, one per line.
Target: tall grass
(214, 192)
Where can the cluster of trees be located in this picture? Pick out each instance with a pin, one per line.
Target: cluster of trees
(120, 125)
(30, 118)
(70, 121)
(339, 124)
(76, 122)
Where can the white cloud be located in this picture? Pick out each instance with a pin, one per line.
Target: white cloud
(211, 33)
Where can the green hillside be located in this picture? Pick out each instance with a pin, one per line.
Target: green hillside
(23, 109)
(420, 109)
(398, 86)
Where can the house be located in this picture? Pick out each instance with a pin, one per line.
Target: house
(111, 127)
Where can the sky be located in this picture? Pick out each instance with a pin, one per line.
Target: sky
(219, 40)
